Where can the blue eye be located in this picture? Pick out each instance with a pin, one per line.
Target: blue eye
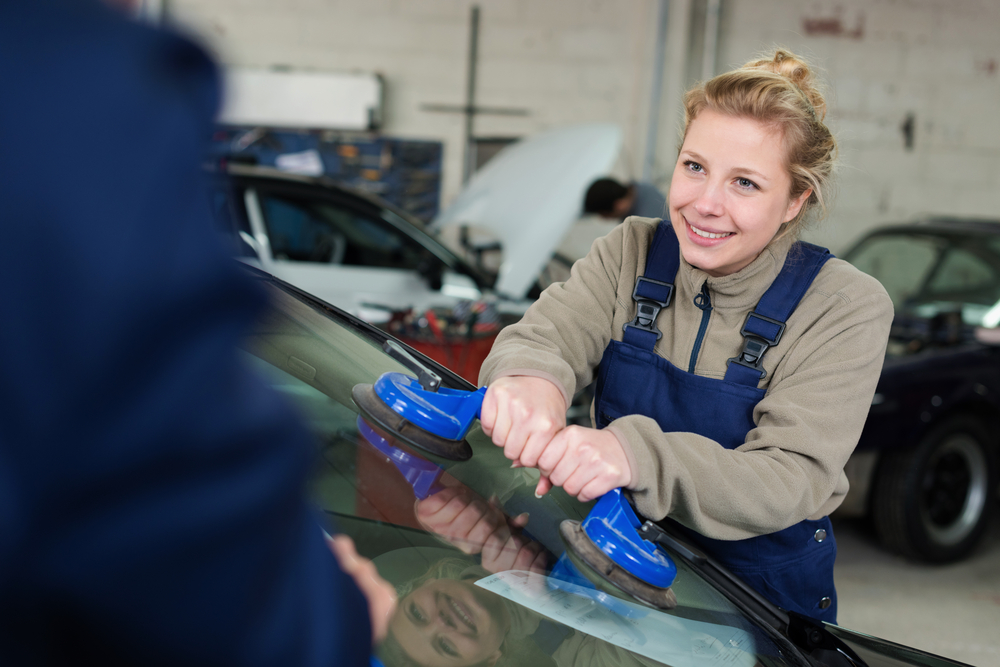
(693, 166)
(746, 184)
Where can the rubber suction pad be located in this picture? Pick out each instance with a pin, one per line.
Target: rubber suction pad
(376, 411)
(586, 556)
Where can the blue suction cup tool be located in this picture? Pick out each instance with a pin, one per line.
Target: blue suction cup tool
(609, 545)
(420, 473)
(417, 410)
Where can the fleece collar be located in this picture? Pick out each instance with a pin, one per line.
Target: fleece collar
(744, 288)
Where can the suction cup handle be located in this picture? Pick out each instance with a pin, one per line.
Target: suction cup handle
(427, 378)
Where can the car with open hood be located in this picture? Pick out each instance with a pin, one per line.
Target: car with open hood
(373, 259)
(480, 563)
(926, 466)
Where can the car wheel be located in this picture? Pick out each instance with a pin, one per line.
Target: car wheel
(933, 502)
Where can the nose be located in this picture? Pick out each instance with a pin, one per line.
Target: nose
(709, 200)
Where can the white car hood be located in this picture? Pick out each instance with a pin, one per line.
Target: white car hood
(530, 194)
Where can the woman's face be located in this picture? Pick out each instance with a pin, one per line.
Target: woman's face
(450, 623)
(730, 192)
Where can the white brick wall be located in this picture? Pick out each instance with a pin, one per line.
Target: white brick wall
(571, 61)
(563, 61)
(937, 59)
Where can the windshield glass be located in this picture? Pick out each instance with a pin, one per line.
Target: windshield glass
(927, 274)
(309, 223)
(473, 554)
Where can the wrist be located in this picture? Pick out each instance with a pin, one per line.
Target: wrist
(629, 472)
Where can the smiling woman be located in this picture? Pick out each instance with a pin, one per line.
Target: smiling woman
(444, 619)
(730, 192)
(451, 622)
(734, 365)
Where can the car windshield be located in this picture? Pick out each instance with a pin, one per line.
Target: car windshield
(928, 273)
(469, 548)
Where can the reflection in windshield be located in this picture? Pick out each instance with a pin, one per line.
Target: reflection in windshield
(467, 545)
(445, 619)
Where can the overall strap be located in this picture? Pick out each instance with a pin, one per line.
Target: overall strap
(654, 288)
(765, 324)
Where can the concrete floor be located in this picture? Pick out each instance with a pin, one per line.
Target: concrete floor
(951, 610)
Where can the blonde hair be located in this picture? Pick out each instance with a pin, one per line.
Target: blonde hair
(782, 91)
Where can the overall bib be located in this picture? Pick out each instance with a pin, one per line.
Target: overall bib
(793, 568)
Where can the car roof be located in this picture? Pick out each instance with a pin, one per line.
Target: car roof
(247, 170)
(944, 225)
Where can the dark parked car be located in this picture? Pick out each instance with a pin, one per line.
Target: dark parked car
(926, 468)
(477, 586)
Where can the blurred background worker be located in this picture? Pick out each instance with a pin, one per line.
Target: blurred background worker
(151, 488)
(610, 199)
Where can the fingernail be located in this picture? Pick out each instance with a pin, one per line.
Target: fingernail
(538, 495)
(516, 464)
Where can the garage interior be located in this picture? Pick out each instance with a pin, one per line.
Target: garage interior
(408, 99)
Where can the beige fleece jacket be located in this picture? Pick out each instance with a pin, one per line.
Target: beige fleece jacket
(819, 385)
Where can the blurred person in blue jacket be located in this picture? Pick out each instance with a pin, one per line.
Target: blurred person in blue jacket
(151, 488)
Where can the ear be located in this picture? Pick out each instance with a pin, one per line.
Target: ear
(795, 205)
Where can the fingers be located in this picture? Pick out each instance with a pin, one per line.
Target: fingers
(381, 596)
(462, 517)
(543, 487)
(526, 556)
(521, 414)
(515, 552)
(488, 412)
(585, 462)
(587, 488)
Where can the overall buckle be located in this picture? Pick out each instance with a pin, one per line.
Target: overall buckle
(757, 339)
(648, 307)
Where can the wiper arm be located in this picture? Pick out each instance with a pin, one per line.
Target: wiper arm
(805, 638)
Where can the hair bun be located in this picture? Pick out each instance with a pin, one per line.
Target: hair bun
(790, 66)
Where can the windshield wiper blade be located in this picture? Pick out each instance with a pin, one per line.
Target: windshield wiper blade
(800, 636)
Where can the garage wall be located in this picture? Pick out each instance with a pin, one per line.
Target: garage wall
(884, 60)
(566, 61)
(563, 61)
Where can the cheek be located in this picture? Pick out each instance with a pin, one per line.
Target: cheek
(680, 193)
(756, 217)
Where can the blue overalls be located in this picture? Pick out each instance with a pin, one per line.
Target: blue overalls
(793, 568)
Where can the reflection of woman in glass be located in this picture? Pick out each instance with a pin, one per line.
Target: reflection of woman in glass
(445, 619)
(450, 621)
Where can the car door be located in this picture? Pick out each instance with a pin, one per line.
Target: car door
(347, 251)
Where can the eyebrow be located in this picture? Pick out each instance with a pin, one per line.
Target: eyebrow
(738, 170)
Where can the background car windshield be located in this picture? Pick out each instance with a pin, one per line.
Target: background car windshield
(309, 230)
(926, 274)
(474, 583)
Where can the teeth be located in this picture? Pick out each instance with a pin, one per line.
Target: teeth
(458, 611)
(709, 235)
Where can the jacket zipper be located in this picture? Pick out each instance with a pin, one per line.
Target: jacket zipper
(704, 302)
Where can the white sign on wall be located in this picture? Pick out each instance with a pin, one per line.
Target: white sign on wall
(301, 98)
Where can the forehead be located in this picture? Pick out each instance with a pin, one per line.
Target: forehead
(737, 138)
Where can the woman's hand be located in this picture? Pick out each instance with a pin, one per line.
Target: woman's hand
(522, 414)
(380, 594)
(585, 462)
(474, 525)
(461, 516)
(513, 551)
